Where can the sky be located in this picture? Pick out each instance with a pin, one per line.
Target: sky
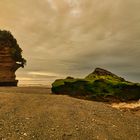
(73, 37)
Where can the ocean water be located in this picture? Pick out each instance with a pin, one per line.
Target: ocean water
(41, 82)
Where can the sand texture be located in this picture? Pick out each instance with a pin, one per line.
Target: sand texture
(33, 113)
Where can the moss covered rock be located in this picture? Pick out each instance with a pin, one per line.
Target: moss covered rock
(100, 84)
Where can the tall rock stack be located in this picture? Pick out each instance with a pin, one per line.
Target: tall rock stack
(8, 66)
(10, 59)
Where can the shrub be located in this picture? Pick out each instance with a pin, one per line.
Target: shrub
(7, 39)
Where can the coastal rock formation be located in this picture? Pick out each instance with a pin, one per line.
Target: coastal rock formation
(99, 85)
(7, 67)
(10, 59)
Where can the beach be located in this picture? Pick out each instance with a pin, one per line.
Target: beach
(34, 113)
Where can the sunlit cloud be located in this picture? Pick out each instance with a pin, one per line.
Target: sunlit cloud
(52, 4)
(44, 74)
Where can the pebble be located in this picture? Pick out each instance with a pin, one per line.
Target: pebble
(53, 129)
(4, 139)
(25, 134)
(76, 126)
(77, 129)
(97, 137)
(93, 120)
(9, 134)
(27, 118)
(69, 134)
(113, 125)
(17, 130)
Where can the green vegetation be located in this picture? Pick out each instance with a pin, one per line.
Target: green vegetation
(98, 86)
(94, 77)
(7, 39)
(104, 74)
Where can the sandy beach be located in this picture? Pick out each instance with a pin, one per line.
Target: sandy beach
(33, 113)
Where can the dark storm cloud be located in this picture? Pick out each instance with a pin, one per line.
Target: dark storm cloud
(72, 37)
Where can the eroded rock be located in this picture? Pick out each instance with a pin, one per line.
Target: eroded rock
(10, 59)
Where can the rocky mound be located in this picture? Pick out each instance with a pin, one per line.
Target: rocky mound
(99, 85)
(102, 73)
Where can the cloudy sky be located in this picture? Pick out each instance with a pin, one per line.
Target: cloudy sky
(72, 37)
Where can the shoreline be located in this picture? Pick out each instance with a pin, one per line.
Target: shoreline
(46, 89)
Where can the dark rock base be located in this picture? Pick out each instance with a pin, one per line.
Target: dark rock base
(9, 84)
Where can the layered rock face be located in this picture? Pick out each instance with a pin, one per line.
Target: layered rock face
(8, 67)
(10, 58)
